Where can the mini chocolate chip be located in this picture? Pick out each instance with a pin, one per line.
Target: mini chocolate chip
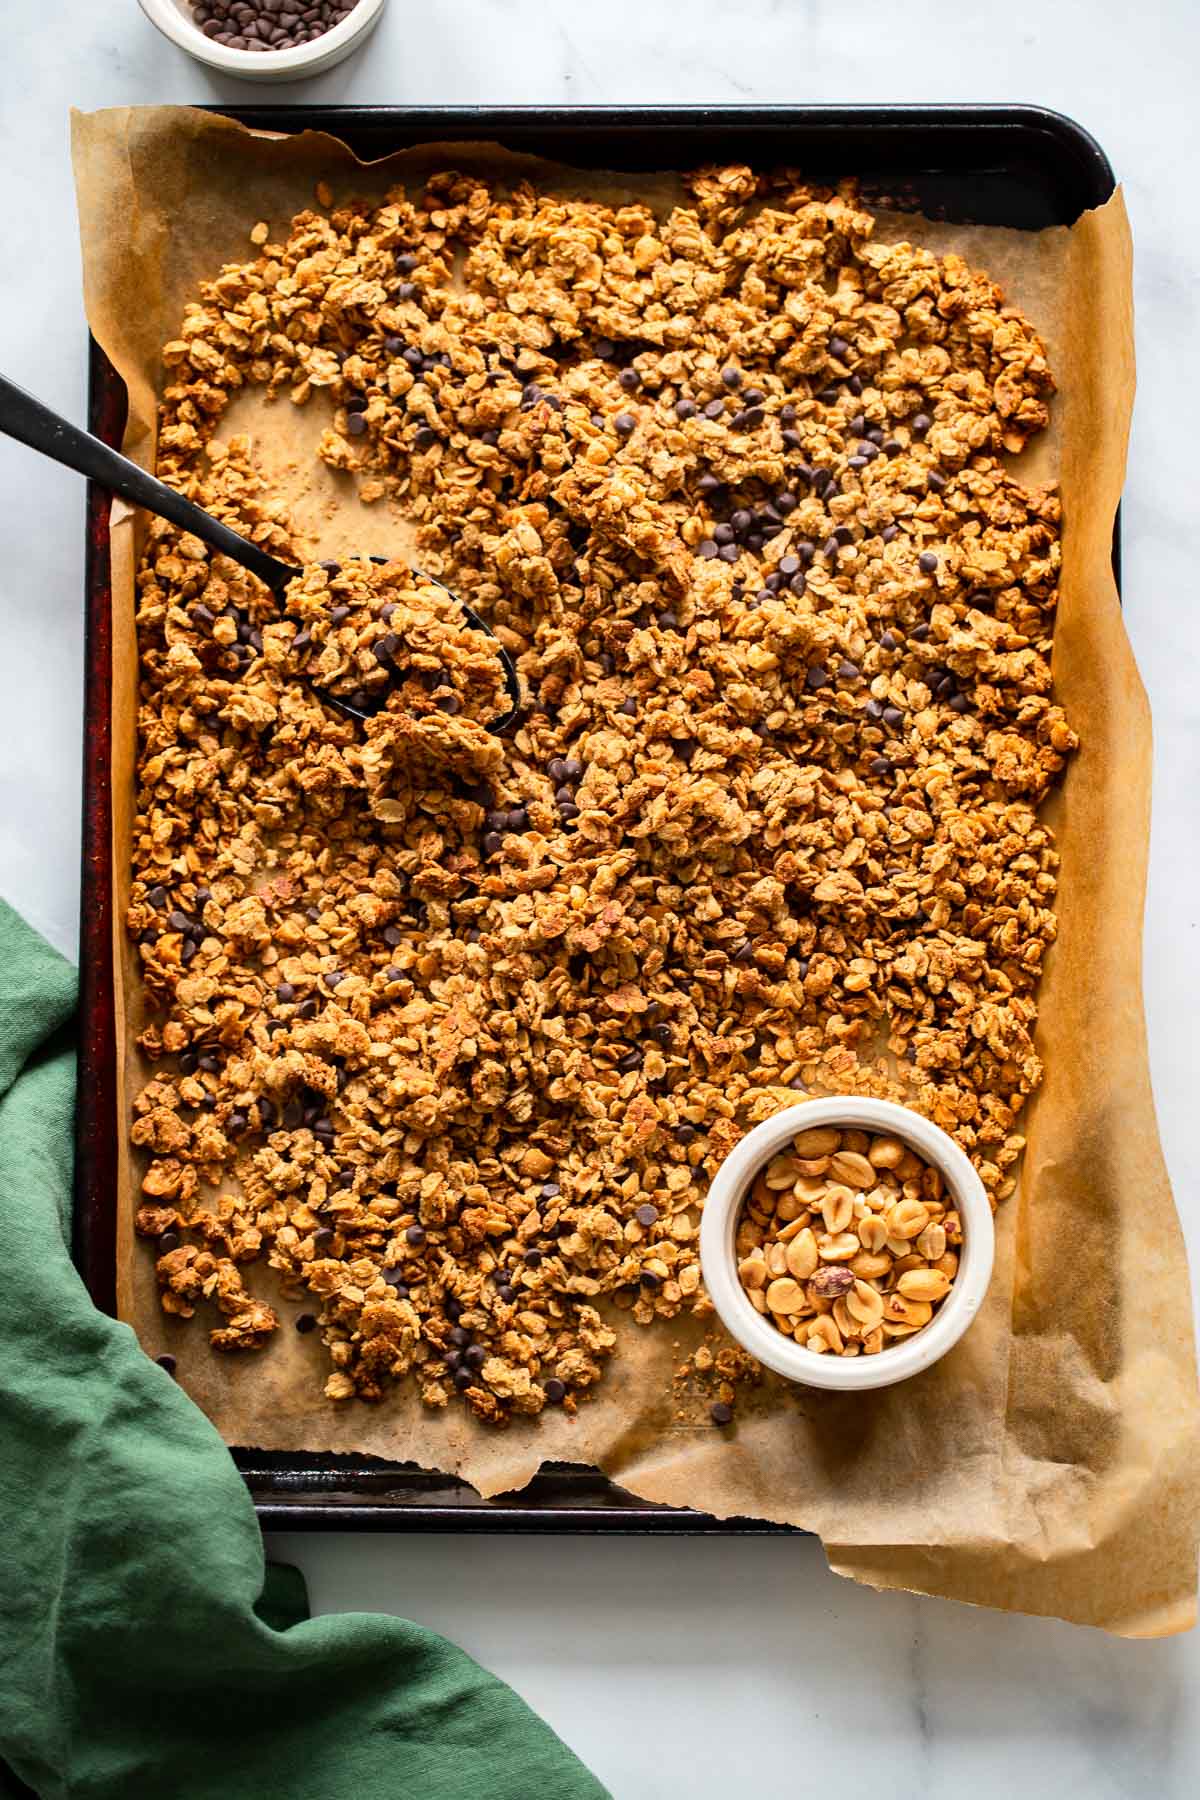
(322, 1237)
(415, 1235)
(306, 1322)
(629, 1062)
(646, 1215)
(629, 707)
(724, 534)
(880, 766)
(888, 641)
(475, 1356)
(686, 409)
(731, 377)
(685, 1133)
(920, 424)
(721, 1413)
(166, 1362)
(170, 1240)
(959, 703)
(936, 482)
(714, 409)
(630, 380)
(308, 1009)
(794, 441)
(893, 716)
(920, 633)
(874, 710)
(816, 678)
(532, 1259)
(506, 1292)
(708, 548)
(729, 553)
(839, 348)
(625, 423)
(463, 1379)
(849, 671)
(927, 562)
(828, 396)
(555, 1391)
(744, 952)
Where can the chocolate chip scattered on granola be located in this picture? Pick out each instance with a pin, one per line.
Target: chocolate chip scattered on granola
(440, 1022)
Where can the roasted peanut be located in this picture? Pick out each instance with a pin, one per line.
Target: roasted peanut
(923, 1284)
(885, 1152)
(822, 1140)
(852, 1168)
(802, 1256)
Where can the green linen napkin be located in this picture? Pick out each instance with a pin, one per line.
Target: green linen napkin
(145, 1652)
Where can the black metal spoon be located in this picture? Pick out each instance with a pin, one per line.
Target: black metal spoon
(32, 423)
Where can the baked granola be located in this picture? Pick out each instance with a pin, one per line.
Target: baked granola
(452, 1035)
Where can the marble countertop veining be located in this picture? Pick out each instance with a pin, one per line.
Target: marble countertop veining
(691, 1666)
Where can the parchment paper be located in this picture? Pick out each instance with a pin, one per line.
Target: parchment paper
(1050, 1464)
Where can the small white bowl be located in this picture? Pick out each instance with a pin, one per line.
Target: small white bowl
(174, 19)
(847, 1374)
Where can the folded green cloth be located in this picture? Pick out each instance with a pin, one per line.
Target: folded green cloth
(145, 1653)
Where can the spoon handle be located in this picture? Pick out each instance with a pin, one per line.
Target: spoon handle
(30, 422)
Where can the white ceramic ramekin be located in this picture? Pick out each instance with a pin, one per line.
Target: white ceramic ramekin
(849, 1374)
(175, 21)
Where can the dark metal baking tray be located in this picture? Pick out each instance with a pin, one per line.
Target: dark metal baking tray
(991, 165)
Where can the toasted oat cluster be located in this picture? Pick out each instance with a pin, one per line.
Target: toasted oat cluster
(379, 636)
(449, 1038)
(846, 1242)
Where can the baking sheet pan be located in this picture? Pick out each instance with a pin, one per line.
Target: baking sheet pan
(1015, 166)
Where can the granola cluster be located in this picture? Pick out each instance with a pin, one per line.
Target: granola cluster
(453, 1041)
(846, 1242)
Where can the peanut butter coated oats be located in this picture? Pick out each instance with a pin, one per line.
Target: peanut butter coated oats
(451, 1030)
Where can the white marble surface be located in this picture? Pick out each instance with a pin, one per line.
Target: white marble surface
(697, 1667)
